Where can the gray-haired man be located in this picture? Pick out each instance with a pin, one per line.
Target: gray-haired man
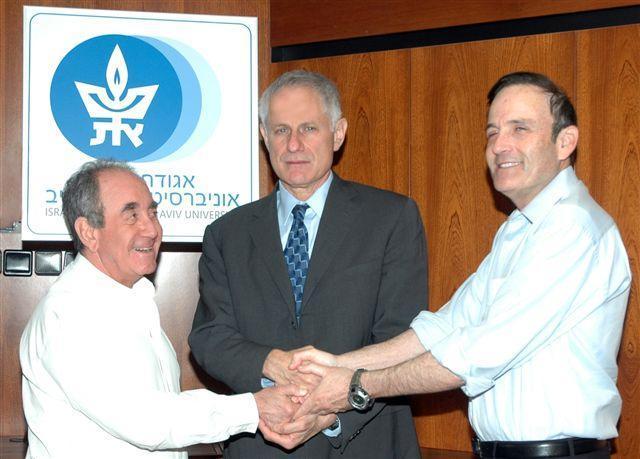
(100, 377)
(319, 261)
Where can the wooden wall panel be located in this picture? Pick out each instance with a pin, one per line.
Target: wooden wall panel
(11, 111)
(375, 101)
(176, 283)
(18, 297)
(608, 63)
(295, 22)
(449, 178)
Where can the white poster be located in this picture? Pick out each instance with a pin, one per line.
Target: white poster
(174, 95)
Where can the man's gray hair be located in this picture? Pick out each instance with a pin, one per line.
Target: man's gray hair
(325, 88)
(81, 196)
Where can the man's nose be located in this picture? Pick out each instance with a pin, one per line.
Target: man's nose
(295, 142)
(149, 225)
(500, 143)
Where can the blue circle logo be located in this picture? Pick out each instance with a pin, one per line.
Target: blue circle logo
(128, 98)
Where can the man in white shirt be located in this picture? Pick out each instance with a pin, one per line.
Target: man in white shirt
(100, 377)
(532, 336)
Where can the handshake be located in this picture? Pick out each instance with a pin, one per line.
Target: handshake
(310, 388)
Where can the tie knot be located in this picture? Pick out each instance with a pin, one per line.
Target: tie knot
(299, 211)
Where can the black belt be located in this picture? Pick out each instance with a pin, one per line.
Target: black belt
(532, 449)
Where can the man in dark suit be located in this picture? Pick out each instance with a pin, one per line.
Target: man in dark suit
(319, 261)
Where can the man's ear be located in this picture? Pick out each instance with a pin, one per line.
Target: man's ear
(339, 133)
(86, 233)
(567, 142)
(263, 133)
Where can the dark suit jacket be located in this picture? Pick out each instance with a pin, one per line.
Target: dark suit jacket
(367, 279)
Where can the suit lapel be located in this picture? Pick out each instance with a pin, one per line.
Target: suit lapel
(336, 223)
(266, 237)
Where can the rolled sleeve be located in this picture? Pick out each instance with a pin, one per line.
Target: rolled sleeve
(430, 329)
(450, 352)
(444, 343)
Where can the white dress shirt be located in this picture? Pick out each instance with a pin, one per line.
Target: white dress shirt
(101, 379)
(285, 202)
(535, 332)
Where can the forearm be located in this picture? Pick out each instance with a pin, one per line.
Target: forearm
(403, 347)
(419, 375)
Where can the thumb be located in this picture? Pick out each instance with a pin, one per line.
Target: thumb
(313, 368)
(299, 357)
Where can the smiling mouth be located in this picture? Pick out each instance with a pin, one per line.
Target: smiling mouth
(144, 249)
(508, 164)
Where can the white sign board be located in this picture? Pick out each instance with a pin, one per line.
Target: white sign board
(174, 95)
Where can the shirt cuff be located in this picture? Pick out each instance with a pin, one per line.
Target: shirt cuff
(241, 413)
(207, 417)
(334, 430)
(429, 328)
(449, 352)
(445, 344)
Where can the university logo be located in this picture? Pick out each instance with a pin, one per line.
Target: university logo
(133, 98)
(118, 106)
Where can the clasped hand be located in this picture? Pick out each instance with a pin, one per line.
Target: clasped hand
(309, 390)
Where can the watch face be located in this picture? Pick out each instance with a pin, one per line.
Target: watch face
(358, 398)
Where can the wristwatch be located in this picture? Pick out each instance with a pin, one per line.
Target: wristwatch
(358, 397)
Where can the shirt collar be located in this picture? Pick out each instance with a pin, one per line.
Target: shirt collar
(286, 201)
(143, 286)
(557, 189)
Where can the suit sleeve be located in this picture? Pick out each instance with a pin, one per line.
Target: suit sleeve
(216, 342)
(402, 294)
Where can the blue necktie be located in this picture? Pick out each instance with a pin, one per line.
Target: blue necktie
(296, 255)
